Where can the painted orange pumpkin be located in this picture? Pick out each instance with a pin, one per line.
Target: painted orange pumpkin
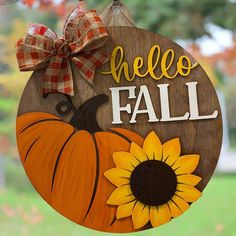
(66, 163)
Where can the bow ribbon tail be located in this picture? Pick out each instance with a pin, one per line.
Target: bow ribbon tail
(88, 62)
(59, 77)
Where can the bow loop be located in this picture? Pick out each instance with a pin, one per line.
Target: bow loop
(84, 34)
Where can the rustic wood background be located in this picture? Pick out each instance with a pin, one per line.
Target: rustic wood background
(202, 137)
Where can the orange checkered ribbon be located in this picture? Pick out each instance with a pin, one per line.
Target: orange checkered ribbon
(84, 35)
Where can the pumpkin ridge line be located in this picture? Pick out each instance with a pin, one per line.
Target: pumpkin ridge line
(31, 146)
(58, 159)
(96, 177)
(113, 221)
(40, 121)
(119, 134)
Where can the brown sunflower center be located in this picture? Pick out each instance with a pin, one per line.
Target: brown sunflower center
(153, 183)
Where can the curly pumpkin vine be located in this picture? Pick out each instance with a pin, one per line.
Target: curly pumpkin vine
(84, 117)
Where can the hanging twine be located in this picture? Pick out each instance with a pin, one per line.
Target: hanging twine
(116, 14)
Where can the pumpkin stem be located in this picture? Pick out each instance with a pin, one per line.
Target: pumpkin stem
(84, 117)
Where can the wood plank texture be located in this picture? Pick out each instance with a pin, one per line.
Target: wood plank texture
(202, 137)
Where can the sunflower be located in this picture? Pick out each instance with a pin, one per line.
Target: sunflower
(154, 183)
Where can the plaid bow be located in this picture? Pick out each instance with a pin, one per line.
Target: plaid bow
(84, 34)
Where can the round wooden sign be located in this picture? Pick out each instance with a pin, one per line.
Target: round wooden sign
(132, 151)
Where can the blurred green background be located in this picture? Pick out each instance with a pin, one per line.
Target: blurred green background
(206, 28)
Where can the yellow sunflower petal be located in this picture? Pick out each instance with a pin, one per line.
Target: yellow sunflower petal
(175, 211)
(160, 215)
(186, 164)
(152, 146)
(140, 215)
(118, 176)
(182, 205)
(188, 179)
(125, 160)
(188, 193)
(138, 152)
(125, 210)
(120, 196)
(171, 151)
